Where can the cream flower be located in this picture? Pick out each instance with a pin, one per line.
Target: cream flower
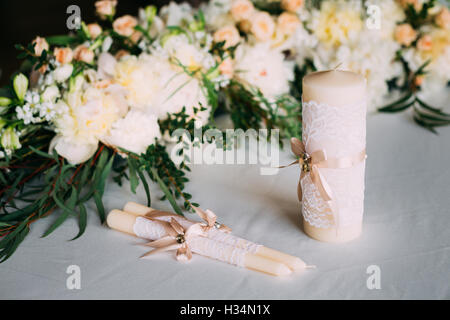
(94, 30)
(263, 26)
(287, 23)
(40, 45)
(337, 22)
(405, 34)
(443, 18)
(90, 114)
(106, 8)
(291, 5)
(135, 75)
(264, 68)
(135, 133)
(125, 25)
(83, 53)
(63, 55)
(242, 9)
(229, 34)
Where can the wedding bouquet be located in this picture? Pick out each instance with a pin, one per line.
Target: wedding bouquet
(105, 100)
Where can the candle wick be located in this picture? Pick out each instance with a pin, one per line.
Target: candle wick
(335, 68)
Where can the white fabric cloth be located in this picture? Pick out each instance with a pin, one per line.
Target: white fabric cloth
(405, 232)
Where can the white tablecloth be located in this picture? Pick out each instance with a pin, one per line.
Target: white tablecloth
(406, 233)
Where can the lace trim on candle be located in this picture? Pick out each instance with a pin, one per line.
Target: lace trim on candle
(212, 248)
(232, 240)
(322, 122)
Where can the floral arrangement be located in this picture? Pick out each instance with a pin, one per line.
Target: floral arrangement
(105, 100)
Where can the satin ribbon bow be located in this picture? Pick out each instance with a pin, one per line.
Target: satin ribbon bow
(311, 163)
(178, 238)
(211, 220)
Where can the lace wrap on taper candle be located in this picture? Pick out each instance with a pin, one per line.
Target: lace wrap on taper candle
(341, 133)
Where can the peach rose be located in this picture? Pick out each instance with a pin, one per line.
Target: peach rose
(242, 9)
(136, 36)
(94, 30)
(263, 26)
(425, 43)
(443, 18)
(405, 34)
(245, 26)
(83, 53)
(226, 67)
(415, 3)
(40, 45)
(418, 80)
(106, 8)
(287, 23)
(121, 53)
(63, 55)
(291, 5)
(125, 25)
(229, 34)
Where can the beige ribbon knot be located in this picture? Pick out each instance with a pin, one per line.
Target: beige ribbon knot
(178, 238)
(311, 163)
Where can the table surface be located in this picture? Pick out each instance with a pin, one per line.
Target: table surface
(406, 234)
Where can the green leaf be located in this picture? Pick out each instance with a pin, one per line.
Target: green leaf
(397, 108)
(100, 207)
(43, 154)
(16, 241)
(3, 224)
(396, 103)
(82, 221)
(105, 173)
(67, 210)
(134, 181)
(146, 188)
(62, 40)
(20, 84)
(167, 192)
(432, 109)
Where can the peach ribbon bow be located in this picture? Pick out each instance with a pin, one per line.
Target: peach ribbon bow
(179, 238)
(310, 164)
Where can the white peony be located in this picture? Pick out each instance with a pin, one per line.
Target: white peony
(73, 152)
(135, 133)
(264, 68)
(85, 117)
(158, 86)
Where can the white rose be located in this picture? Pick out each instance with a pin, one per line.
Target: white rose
(63, 72)
(75, 153)
(50, 94)
(135, 133)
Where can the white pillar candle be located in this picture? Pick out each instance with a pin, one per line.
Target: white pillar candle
(334, 120)
(294, 263)
(144, 228)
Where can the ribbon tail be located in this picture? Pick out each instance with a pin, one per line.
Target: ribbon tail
(161, 249)
(163, 242)
(184, 254)
(299, 188)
